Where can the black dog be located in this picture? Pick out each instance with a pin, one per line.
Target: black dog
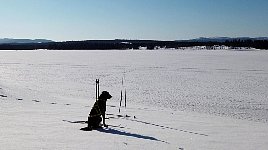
(98, 111)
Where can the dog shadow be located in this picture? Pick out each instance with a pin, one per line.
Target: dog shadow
(128, 134)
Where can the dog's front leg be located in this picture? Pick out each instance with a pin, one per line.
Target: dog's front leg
(103, 118)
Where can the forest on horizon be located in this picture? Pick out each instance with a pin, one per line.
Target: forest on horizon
(130, 44)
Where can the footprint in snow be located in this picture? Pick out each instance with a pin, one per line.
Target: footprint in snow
(3, 96)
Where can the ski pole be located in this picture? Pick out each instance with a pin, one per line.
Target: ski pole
(120, 100)
(97, 89)
(125, 98)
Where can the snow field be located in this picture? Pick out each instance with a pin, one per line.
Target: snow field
(180, 99)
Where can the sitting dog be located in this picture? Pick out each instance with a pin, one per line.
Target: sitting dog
(97, 112)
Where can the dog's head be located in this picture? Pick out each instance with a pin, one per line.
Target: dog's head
(105, 95)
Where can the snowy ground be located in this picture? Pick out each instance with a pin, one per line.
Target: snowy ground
(180, 99)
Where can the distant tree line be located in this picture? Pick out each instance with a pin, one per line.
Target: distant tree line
(129, 44)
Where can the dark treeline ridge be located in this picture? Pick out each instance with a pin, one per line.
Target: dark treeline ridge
(129, 44)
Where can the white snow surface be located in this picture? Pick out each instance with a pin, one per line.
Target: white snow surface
(187, 100)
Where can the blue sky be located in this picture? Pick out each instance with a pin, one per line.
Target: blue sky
(62, 20)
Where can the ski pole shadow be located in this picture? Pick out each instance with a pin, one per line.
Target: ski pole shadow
(165, 127)
(80, 122)
(128, 134)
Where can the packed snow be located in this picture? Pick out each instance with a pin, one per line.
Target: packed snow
(176, 99)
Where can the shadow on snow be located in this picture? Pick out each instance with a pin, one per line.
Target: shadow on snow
(165, 127)
(123, 133)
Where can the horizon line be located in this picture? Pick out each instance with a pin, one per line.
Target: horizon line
(213, 37)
